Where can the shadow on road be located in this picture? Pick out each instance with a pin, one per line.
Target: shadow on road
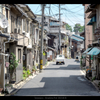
(77, 61)
(58, 86)
(69, 67)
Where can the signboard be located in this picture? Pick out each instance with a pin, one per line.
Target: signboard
(55, 23)
(4, 23)
(50, 52)
(7, 64)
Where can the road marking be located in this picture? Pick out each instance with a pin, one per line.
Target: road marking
(82, 72)
(81, 79)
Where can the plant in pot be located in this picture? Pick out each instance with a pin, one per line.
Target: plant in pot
(24, 73)
(28, 72)
(34, 69)
(12, 66)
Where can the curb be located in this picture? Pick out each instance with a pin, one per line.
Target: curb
(24, 82)
(83, 73)
(16, 90)
(96, 87)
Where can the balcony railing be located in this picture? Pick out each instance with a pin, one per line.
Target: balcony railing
(56, 30)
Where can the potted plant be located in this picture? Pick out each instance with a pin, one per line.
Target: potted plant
(28, 72)
(34, 69)
(13, 65)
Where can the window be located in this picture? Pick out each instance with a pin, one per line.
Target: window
(24, 24)
(5, 30)
(7, 14)
(19, 55)
(32, 29)
(12, 24)
(60, 55)
(27, 25)
(16, 22)
(19, 22)
(0, 8)
(36, 33)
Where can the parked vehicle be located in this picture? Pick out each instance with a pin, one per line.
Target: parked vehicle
(60, 59)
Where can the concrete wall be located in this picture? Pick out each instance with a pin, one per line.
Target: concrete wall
(88, 31)
(19, 70)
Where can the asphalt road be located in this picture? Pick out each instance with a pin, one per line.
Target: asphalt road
(59, 80)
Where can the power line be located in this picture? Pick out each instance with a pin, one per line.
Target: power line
(55, 6)
(37, 8)
(74, 7)
(46, 11)
(69, 19)
(75, 15)
(52, 13)
(39, 11)
(72, 11)
(75, 11)
(79, 10)
(76, 18)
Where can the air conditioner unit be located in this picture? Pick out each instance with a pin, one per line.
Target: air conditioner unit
(19, 30)
(24, 33)
(16, 30)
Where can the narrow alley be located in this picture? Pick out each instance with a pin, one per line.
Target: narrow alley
(57, 80)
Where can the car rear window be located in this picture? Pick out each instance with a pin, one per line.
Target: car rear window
(60, 55)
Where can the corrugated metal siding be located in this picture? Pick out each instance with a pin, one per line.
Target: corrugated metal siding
(44, 60)
(29, 59)
(19, 73)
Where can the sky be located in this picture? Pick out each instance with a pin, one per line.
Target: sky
(71, 13)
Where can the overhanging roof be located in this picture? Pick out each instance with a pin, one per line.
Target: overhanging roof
(21, 10)
(92, 20)
(93, 13)
(51, 35)
(77, 39)
(28, 10)
(82, 33)
(78, 36)
(6, 36)
(51, 48)
(87, 50)
(94, 51)
(90, 6)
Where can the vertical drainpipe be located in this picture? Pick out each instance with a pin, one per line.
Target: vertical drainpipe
(4, 58)
(84, 31)
(4, 65)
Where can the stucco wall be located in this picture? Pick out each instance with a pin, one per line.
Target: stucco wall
(88, 32)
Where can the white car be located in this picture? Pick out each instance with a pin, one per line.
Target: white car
(60, 59)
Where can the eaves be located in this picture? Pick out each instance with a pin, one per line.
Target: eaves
(90, 7)
(93, 13)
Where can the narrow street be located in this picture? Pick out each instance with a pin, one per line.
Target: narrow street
(60, 80)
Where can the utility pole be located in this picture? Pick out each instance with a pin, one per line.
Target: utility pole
(49, 18)
(42, 29)
(59, 31)
(49, 8)
(70, 43)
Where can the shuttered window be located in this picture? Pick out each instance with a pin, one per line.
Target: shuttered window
(27, 25)
(24, 23)
(12, 24)
(0, 8)
(19, 55)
